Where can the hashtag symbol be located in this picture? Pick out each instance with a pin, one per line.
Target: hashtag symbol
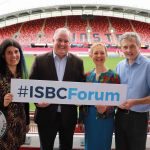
(22, 91)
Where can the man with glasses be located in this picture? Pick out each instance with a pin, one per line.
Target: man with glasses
(131, 119)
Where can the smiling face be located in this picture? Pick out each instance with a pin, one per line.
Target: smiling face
(130, 48)
(12, 56)
(61, 44)
(98, 54)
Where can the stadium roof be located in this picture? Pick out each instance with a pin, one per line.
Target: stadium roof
(16, 11)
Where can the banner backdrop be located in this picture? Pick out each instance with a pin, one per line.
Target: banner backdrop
(63, 92)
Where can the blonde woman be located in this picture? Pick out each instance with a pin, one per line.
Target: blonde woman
(99, 120)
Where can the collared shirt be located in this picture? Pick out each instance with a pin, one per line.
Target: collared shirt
(60, 65)
(137, 77)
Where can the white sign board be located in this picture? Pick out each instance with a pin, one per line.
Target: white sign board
(63, 92)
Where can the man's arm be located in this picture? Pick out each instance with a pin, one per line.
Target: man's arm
(132, 102)
(145, 100)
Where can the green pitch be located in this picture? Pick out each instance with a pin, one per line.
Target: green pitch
(88, 65)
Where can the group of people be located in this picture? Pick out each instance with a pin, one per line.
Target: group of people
(129, 120)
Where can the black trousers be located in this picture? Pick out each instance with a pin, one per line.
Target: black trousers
(131, 130)
(48, 132)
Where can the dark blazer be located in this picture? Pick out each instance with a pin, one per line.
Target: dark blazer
(44, 69)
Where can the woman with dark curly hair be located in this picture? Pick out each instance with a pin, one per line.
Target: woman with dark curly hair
(12, 65)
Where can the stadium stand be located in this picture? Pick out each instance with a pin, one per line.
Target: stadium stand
(41, 31)
(29, 32)
(121, 25)
(9, 31)
(50, 26)
(143, 29)
(77, 26)
(100, 25)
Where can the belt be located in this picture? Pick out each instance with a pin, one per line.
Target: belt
(127, 112)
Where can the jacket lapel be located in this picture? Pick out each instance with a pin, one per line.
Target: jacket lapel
(68, 68)
(51, 66)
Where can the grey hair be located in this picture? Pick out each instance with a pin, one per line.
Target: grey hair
(129, 35)
(62, 30)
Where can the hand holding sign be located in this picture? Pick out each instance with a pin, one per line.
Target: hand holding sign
(42, 104)
(128, 104)
(7, 99)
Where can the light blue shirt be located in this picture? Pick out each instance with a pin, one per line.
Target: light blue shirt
(137, 77)
(60, 65)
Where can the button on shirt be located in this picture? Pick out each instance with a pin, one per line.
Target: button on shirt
(137, 77)
(60, 65)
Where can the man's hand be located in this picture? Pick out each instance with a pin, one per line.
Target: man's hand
(128, 104)
(42, 104)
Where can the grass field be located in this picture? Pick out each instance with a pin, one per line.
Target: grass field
(88, 65)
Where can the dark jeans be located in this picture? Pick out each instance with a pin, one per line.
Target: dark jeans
(131, 130)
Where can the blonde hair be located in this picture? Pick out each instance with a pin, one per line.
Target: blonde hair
(97, 45)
